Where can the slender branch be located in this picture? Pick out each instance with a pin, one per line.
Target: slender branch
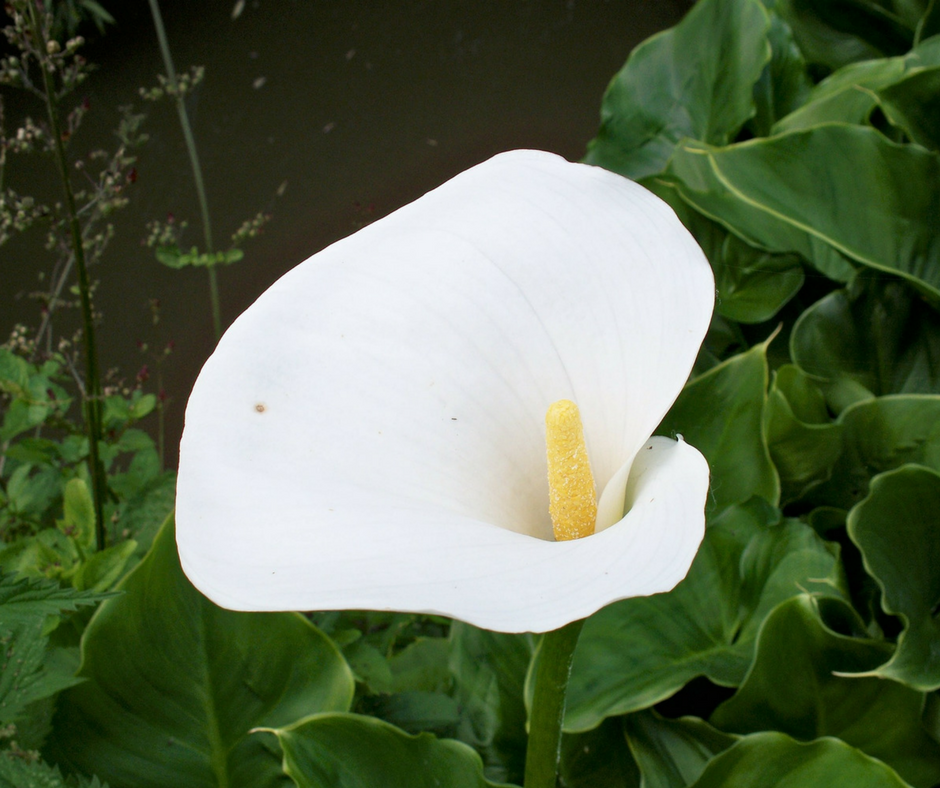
(193, 160)
(92, 396)
(552, 669)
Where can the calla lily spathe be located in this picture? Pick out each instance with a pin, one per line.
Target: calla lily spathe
(370, 433)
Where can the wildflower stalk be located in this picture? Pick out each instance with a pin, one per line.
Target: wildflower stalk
(193, 160)
(92, 387)
(552, 669)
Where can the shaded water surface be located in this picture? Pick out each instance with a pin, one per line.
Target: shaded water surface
(327, 115)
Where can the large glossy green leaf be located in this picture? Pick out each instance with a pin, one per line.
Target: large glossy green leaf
(879, 435)
(352, 751)
(827, 192)
(695, 80)
(764, 759)
(895, 528)
(720, 413)
(795, 687)
(804, 444)
(672, 753)
(175, 684)
(874, 337)
(638, 652)
(489, 670)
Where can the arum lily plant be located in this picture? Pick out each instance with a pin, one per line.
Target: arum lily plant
(371, 433)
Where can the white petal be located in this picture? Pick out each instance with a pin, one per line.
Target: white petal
(370, 433)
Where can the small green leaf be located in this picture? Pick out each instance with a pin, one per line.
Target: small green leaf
(804, 444)
(879, 435)
(174, 684)
(775, 759)
(784, 84)
(895, 528)
(874, 337)
(104, 568)
(797, 686)
(913, 104)
(720, 413)
(79, 521)
(672, 753)
(351, 751)
(171, 257)
(695, 80)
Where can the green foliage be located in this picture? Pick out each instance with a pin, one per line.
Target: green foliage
(809, 646)
(340, 750)
(19, 770)
(638, 652)
(776, 759)
(679, 84)
(895, 528)
(29, 611)
(168, 672)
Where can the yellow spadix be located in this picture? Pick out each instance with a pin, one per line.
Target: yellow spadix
(572, 494)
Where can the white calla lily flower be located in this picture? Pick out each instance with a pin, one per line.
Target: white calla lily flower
(370, 434)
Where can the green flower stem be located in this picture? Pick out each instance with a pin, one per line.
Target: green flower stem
(193, 160)
(552, 669)
(92, 400)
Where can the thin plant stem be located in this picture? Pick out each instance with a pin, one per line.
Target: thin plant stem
(552, 669)
(92, 387)
(193, 160)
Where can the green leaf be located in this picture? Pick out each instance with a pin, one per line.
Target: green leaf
(795, 687)
(672, 753)
(828, 193)
(351, 751)
(784, 84)
(175, 684)
(847, 96)
(804, 444)
(895, 528)
(27, 673)
(171, 256)
(79, 521)
(103, 569)
(598, 758)
(19, 772)
(874, 337)
(637, 652)
(879, 435)
(695, 80)
(24, 599)
(415, 711)
(489, 670)
(913, 104)
(720, 413)
(775, 759)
